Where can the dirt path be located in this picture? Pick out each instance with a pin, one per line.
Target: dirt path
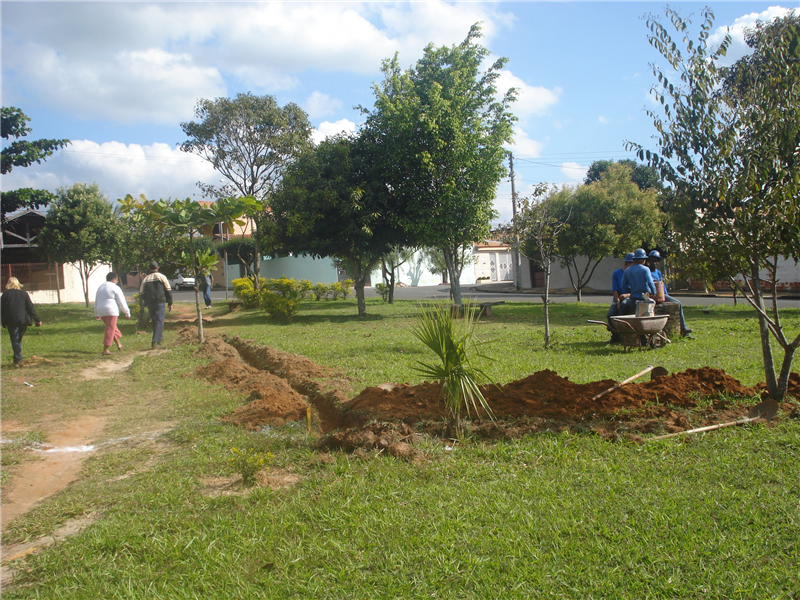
(59, 463)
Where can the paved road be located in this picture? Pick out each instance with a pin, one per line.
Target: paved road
(441, 292)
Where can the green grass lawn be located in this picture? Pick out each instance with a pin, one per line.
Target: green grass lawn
(550, 515)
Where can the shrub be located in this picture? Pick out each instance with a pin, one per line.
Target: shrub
(248, 462)
(320, 290)
(383, 290)
(244, 291)
(347, 287)
(305, 287)
(288, 288)
(279, 307)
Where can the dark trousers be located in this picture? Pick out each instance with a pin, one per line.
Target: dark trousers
(16, 334)
(207, 295)
(157, 313)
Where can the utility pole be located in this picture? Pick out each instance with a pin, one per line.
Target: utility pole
(517, 267)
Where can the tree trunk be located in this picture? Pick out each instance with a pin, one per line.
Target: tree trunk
(84, 271)
(58, 281)
(763, 327)
(786, 369)
(257, 265)
(200, 334)
(360, 299)
(451, 260)
(546, 300)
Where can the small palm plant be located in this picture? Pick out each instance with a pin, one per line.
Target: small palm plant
(452, 340)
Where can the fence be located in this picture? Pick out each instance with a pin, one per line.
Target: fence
(34, 276)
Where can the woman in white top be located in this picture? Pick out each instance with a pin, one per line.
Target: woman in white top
(108, 303)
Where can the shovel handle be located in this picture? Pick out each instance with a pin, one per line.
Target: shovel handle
(621, 383)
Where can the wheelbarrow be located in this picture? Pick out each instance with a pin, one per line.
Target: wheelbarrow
(649, 328)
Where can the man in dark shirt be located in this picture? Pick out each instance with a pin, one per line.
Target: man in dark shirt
(156, 293)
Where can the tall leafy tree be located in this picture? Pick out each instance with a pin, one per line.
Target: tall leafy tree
(729, 144)
(250, 140)
(330, 204)
(606, 218)
(81, 229)
(643, 175)
(442, 130)
(23, 153)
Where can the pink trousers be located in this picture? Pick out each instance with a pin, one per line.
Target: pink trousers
(112, 332)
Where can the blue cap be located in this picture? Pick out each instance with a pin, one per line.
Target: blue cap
(655, 254)
(640, 253)
(628, 257)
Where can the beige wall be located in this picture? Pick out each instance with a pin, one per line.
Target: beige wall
(73, 290)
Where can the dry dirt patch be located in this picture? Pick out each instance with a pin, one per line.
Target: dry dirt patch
(59, 463)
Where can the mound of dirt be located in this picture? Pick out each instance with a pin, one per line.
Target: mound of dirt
(272, 401)
(547, 395)
(280, 386)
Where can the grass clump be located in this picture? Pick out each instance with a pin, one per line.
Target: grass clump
(248, 461)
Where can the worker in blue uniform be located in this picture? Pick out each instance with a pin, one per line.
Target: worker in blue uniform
(636, 281)
(652, 260)
(619, 296)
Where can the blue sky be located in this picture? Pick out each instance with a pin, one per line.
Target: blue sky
(118, 78)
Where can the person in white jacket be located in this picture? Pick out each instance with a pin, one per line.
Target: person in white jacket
(108, 303)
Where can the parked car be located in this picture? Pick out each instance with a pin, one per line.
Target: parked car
(181, 282)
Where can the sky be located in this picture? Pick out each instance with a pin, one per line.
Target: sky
(119, 78)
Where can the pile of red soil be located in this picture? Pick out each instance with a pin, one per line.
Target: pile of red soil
(280, 386)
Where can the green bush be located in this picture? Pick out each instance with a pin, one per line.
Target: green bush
(383, 290)
(288, 288)
(305, 287)
(279, 307)
(346, 287)
(320, 291)
(248, 462)
(244, 291)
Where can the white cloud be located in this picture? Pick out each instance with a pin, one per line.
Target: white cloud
(129, 86)
(156, 170)
(531, 100)
(602, 120)
(524, 146)
(573, 171)
(137, 62)
(327, 129)
(321, 105)
(738, 47)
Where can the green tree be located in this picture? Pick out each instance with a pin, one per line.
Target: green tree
(23, 153)
(186, 220)
(330, 204)
(143, 239)
(538, 230)
(390, 262)
(442, 131)
(606, 218)
(80, 229)
(728, 142)
(250, 140)
(643, 175)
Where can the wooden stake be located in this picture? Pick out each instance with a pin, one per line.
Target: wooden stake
(308, 418)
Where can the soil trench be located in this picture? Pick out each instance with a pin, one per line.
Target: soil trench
(280, 386)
